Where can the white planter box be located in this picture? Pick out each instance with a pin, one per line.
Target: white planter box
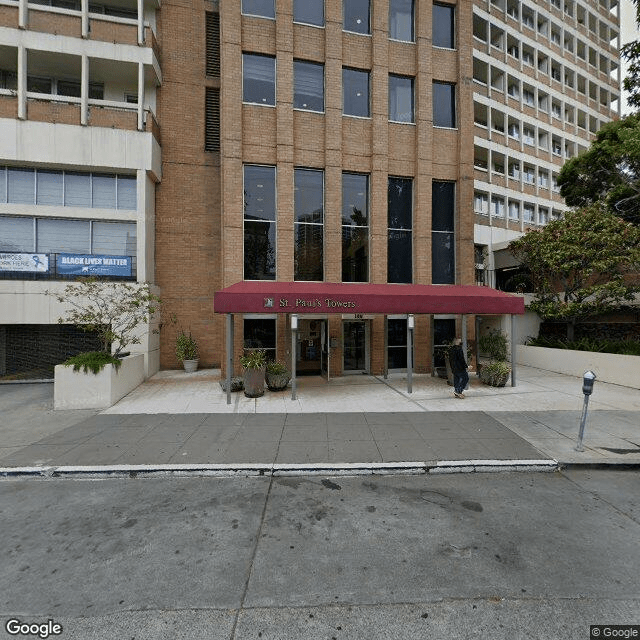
(79, 390)
(609, 367)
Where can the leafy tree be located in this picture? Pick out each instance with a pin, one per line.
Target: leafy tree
(609, 170)
(631, 54)
(113, 310)
(580, 265)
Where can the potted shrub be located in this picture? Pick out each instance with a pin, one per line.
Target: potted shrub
(495, 373)
(187, 351)
(254, 363)
(494, 345)
(277, 376)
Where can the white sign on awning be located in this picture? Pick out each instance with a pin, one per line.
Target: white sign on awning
(33, 262)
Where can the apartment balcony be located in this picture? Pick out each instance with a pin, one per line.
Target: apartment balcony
(118, 23)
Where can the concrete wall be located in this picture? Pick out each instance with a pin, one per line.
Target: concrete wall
(79, 390)
(609, 367)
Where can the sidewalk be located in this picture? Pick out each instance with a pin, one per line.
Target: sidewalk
(355, 422)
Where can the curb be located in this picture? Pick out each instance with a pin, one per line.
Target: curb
(276, 470)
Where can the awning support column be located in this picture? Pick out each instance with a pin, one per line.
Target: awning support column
(386, 349)
(229, 334)
(464, 338)
(513, 350)
(410, 326)
(294, 341)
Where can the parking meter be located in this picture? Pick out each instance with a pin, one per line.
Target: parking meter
(588, 378)
(587, 382)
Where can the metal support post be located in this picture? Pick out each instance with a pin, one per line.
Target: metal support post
(410, 326)
(229, 336)
(513, 350)
(294, 345)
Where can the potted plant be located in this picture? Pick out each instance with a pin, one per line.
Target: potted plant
(187, 351)
(495, 373)
(277, 376)
(254, 363)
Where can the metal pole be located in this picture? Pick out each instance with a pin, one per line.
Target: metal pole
(583, 420)
(464, 340)
(386, 347)
(513, 350)
(409, 357)
(294, 333)
(229, 333)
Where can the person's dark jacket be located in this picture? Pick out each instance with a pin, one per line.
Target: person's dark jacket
(456, 358)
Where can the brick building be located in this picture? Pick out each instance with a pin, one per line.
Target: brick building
(303, 141)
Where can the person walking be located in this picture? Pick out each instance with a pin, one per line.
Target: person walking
(458, 368)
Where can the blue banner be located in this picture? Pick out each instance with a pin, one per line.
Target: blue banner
(85, 265)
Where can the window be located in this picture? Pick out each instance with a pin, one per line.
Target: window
(356, 16)
(529, 175)
(260, 333)
(543, 179)
(528, 213)
(113, 238)
(401, 20)
(444, 105)
(497, 206)
(262, 8)
(397, 343)
(308, 89)
(21, 184)
(258, 79)
(514, 210)
(63, 236)
(309, 224)
(355, 227)
(309, 12)
(355, 93)
(528, 97)
(481, 203)
(8, 80)
(259, 222)
(543, 215)
(400, 223)
(16, 234)
(443, 26)
(528, 135)
(443, 264)
(400, 99)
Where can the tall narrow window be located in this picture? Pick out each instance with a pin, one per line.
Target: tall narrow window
(259, 222)
(308, 85)
(355, 227)
(355, 93)
(309, 12)
(309, 224)
(21, 185)
(443, 261)
(400, 221)
(356, 16)
(260, 333)
(261, 8)
(401, 20)
(444, 105)
(443, 26)
(258, 79)
(400, 99)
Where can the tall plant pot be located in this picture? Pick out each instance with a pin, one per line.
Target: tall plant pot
(254, 382)
(190, 365)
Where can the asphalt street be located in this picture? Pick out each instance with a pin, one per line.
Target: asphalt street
(519, 555)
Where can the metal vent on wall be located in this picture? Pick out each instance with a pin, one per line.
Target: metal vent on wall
(212, 119)
(213, 45)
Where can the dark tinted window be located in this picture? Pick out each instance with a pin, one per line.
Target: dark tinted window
(261, 334)
(308, 82)
(356, 16)
(443, 26)
(263, 8)
(258, 79)
(309, 12)
(401, 20)
(355, 199)
(355, 92)
(444, 105)
(443, 238)
(443, 205)
(400, 244)
(259, 223)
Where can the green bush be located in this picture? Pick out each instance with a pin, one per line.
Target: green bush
(92, 361)
(495, 344)
(495, 373)
(622, 347)
(254, 359)
(276, 368)
(186, 347)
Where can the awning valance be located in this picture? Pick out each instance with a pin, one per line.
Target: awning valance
(326, 297)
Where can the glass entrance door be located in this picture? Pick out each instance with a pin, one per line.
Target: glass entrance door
(309, 355)
(355, 347)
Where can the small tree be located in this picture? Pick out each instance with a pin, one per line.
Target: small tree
(112, 309)
(580, 264)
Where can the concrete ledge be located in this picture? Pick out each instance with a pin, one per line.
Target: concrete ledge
(79, 390)
(609, 367)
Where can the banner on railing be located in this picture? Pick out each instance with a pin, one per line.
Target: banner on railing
(33, 262)
(86, 265)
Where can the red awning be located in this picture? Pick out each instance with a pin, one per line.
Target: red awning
(325, 297)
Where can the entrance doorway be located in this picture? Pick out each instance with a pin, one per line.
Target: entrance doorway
(356, 346)
(309, 356)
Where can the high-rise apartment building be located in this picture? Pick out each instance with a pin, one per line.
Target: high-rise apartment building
(355, 144)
